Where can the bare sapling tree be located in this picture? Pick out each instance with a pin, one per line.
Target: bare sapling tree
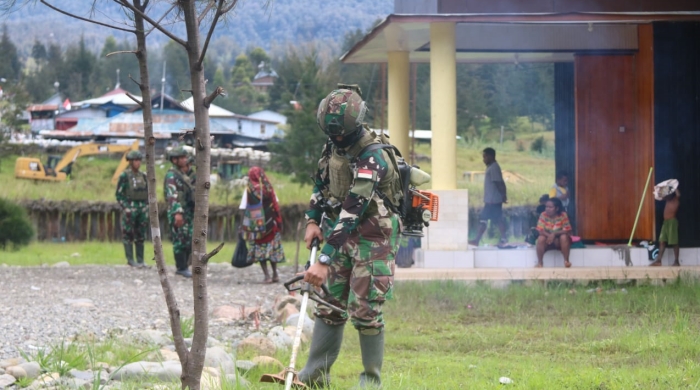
(195, 15)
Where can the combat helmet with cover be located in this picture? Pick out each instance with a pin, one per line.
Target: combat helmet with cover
(177, 152)
(134, 155)
(342, 112)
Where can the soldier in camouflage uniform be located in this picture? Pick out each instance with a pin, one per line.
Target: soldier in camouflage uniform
(179, 198)
(361, 235)
(132, 195)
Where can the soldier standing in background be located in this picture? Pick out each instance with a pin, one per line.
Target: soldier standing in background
(179, 198)
(132, 196)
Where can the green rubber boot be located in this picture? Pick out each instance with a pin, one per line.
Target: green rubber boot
(139, 254)
(372, 347)
(325, 347)
(129, 251)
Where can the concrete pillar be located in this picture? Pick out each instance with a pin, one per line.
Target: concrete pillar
(398, 101)
(443, 105)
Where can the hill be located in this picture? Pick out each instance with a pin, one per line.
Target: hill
(272, 25)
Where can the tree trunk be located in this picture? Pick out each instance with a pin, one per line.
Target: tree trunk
(149, 141)
(193, 374)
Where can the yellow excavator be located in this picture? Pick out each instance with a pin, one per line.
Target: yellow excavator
(58, 168)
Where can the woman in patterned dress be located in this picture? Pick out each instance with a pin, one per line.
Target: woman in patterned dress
(269, 246)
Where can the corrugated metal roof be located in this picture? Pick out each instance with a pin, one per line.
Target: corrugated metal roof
(214, 110)
(131, 123)
(43, 107)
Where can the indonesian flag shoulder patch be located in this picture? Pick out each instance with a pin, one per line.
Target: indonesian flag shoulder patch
(366, 174)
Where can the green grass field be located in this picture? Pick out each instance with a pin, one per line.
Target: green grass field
(112, 253)
(449, 335)
(92, 175)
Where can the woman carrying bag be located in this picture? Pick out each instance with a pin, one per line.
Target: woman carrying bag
(262, 223)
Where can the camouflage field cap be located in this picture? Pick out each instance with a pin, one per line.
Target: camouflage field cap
(341, 113)
(134, 155)
(177, 152)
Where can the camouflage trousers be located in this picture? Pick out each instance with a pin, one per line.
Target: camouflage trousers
(361, 278)
(182, 236)
(134, 222)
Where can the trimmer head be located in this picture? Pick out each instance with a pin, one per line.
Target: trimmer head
(281, 377)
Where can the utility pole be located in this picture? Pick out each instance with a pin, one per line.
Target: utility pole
(162, 88)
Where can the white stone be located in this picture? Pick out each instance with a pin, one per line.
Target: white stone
(217, 357)
(11, 362)
(281, 339)
(308, 327)
(16, 371)
(61, 264)
(152, 337)
(6, 380)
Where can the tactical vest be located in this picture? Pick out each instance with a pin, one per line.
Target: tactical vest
(137, 189)
(341, 174)
(185, 195)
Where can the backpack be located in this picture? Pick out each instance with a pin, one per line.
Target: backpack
(399, 165)
(410, 212)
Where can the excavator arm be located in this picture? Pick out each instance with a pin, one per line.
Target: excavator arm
(89, 150)
(31, 168)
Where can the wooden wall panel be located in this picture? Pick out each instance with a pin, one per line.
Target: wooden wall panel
(614, 149)
(644, 60)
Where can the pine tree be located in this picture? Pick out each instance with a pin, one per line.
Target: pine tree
(10, 67)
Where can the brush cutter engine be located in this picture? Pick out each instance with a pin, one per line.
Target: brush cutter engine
(417, 208)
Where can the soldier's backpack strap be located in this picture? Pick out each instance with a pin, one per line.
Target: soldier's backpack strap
(373, 147)
(382, 196)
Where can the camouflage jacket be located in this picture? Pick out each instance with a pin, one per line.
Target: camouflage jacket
(370, 169)
(179, 192)
(123, 190)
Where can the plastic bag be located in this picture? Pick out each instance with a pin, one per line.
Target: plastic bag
(240, 255)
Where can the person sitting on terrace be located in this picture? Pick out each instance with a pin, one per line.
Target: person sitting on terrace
(555, 231)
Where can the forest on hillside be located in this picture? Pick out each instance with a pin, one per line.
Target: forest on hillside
(269, 24)
(492, 99)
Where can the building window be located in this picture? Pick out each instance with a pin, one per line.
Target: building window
(262, 128)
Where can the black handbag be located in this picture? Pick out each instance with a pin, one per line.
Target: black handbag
(240, 255)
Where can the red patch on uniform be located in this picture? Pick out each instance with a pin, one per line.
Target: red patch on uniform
(365, 173)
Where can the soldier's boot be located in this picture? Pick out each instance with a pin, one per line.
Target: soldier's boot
(372, 347)
(139, 255)
(129, 251)
(181, 264)
(325, 347)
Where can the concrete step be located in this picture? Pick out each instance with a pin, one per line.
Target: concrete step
(595, 256)
(587, 273)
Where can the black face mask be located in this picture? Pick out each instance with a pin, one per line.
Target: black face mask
(348, 140)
